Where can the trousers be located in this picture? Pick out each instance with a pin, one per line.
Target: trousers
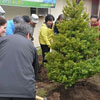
(45, 49)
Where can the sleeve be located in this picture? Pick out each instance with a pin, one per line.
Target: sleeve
(9, 29)
(36, 64)
(56, 29)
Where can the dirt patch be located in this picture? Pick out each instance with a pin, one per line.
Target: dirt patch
(80, 91)
(84, 90)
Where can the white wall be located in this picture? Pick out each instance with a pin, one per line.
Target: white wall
(58, 9)
(14, 11)
(88, 6)
(36, 31)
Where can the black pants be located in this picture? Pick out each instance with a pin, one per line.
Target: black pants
(5, 98)
(45, 49)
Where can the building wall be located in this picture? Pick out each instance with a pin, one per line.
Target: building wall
(13, 11)
(58, 9)
(88, 6)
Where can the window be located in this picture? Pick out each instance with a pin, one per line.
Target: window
(33, 11)
(39, 11)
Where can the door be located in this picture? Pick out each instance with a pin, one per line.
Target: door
(95, 7)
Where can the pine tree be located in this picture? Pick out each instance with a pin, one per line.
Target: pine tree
(75, 51)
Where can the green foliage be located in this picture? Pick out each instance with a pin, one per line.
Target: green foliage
(39, 51)
(75, 51)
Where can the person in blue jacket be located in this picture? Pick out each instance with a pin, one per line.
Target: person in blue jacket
(11, 24)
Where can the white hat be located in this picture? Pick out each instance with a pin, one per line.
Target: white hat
(2, 12)
(34, 18)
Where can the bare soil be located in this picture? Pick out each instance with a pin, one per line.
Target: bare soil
(84, 90)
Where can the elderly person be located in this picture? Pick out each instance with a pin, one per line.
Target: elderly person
(18, 65)
(11, 24)
(3, 24)
(32, 20)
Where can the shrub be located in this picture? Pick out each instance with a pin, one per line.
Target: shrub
(75, 51)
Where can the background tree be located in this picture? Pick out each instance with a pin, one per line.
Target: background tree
(75, 51)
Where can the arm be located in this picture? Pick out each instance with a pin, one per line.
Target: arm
(36, 64)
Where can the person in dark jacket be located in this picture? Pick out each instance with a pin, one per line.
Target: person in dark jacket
(59, 19)
(18, 65)
(33, 20)
(26, 19)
